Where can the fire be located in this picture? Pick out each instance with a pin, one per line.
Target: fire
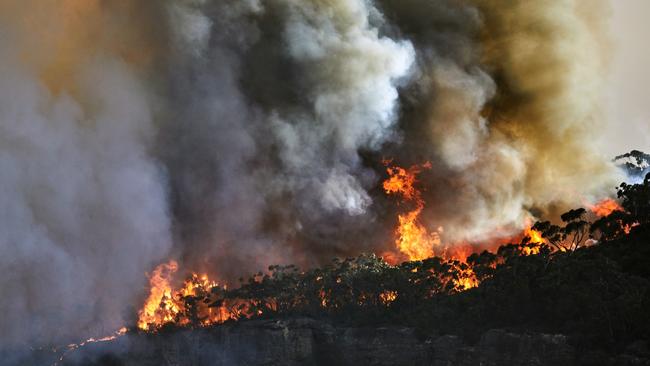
(159, 307)
(605, 207)
(122, 331)
(74, 346)
(166, 305)
(413, 239)
(387, 297)
(530, 250)
(401, 181)
(458, 251)
(535, 240)
(535, 237)
(467, 279)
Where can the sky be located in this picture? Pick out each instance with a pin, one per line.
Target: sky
(628, 91)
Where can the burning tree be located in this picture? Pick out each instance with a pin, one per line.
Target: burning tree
(578, 276)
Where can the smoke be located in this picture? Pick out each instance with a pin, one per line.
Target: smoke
(266, 166)
(84, 208)
(231, 135)
(509, 104)
(628, 78)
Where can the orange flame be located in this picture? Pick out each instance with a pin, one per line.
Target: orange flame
(74, 346)
(605, 207)
(165, 305)
(159, 307)
(467, 279)
(535, 237)
(413, 239)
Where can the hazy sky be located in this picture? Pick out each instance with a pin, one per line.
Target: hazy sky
(629, 79)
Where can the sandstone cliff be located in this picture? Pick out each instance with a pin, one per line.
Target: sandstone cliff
(310, 342)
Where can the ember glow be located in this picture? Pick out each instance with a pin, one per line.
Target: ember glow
(74, 346)
(413, 238)
(387, 297)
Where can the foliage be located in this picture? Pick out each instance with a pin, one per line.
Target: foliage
(567, 238)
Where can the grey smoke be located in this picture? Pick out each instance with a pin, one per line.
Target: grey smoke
(83, 203)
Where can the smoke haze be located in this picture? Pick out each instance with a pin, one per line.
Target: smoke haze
(628, 100)
(231, 135)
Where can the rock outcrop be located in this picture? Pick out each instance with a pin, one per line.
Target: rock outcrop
(309, 342)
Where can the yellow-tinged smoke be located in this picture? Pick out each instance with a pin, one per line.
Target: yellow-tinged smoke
(58, 38)
(548, 59)
(511, 94)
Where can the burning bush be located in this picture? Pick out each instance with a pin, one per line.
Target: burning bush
(556, 279)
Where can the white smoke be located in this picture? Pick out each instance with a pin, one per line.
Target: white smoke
(352, 73)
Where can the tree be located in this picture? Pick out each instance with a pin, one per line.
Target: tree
(569, 237)
(635, 199)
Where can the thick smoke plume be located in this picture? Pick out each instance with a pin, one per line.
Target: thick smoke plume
(235, 134)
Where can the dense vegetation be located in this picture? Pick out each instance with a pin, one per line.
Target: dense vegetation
(589, 280)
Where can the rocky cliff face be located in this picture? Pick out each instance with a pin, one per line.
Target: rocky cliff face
(309, 342)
